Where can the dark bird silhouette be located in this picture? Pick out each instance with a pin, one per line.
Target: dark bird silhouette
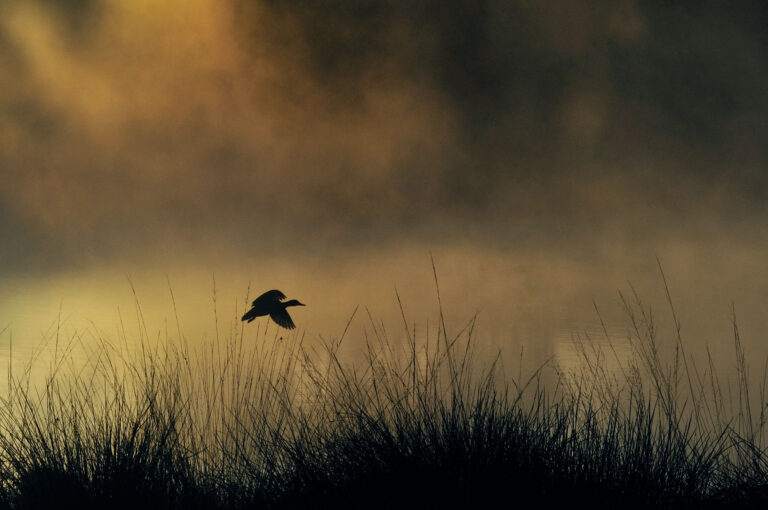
(270, 303)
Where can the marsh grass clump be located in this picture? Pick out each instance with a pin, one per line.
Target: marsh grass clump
(414, 421)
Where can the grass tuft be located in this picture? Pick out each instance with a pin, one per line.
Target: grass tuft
(413, 422)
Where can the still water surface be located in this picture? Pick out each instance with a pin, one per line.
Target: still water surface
(531, 298)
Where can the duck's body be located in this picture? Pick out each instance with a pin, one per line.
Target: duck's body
(271, 303)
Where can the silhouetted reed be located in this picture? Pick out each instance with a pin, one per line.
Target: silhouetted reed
(416, 420)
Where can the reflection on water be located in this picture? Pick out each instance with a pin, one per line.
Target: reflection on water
(526, 299)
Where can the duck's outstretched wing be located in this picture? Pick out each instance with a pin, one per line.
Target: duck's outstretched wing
(282, 318)
(269, 297)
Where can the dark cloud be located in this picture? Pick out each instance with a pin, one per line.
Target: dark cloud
(78, 16)
(265, 123)
(557, 87)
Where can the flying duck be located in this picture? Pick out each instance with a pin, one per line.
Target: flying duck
(270, 303)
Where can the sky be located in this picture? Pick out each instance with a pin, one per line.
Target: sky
(550, 150)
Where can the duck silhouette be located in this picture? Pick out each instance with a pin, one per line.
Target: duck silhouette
(270, 303)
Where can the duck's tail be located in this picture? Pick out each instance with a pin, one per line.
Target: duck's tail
(249, 316)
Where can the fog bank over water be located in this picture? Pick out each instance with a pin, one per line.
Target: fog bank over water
(528, 295)
(545, 153)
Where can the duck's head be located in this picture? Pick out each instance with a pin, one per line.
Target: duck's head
(294, 302)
